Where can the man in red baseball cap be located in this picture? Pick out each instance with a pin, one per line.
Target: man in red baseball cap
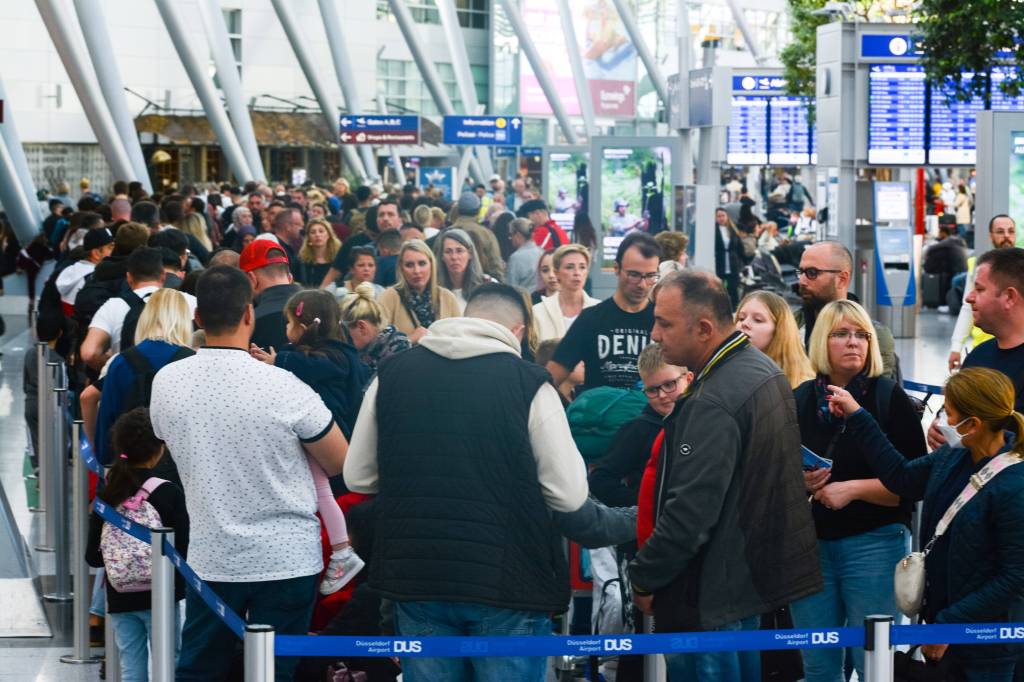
(267, 266)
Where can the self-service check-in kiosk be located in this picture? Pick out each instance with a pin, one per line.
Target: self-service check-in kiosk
(895, 268)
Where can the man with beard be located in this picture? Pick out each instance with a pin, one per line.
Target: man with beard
(825, 271)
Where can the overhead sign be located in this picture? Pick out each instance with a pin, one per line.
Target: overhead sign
(377, 129)
(442, 177)
(758, 83)
(896, 114)
(505, 152)
(531, 151)
(500, 130)
(890, 46)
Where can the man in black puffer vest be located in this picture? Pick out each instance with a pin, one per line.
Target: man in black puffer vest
(469, 452)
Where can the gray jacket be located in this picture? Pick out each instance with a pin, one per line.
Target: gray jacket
(733, 533)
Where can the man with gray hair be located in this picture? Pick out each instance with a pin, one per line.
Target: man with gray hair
(733, 535)
(468, 450)
(825, 273)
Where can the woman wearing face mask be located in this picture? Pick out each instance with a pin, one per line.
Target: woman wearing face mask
(555, 314)
(766, 318)
(975, 569)
(862, 527)
(459, 269)
(547, 281)
(416, 301)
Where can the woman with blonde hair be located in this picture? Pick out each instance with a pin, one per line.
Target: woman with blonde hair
(193, 224)
(975, 562)
(416, 301)
(319, 247)
(556, 313)
(766, 318)
(863, 529)
(363, 319)
(163, 335)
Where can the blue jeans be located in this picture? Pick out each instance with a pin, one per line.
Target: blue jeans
(473, 620)
(132, 632)
(858, 575)
(98, 604)
(208, 646)
(720, 666)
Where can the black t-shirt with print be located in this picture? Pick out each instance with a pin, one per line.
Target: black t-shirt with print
(608, 340)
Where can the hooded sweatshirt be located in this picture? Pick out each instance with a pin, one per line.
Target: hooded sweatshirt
(560, 468)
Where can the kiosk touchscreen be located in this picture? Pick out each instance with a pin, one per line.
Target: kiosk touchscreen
(895, 271)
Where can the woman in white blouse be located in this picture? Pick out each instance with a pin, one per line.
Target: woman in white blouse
(555, 314)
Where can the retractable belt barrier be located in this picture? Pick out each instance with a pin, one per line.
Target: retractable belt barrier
(555, 645)
(927, 389)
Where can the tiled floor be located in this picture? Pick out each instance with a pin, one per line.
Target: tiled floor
(923, 359)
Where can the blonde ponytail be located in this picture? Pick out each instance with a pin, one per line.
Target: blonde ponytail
(1015, 423)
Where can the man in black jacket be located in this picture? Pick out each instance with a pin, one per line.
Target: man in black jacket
(733, 534)
(269, 272)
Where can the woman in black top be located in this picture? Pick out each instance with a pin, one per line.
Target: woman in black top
(728, 254)
(862, 528)
(318, 250)
(139, 451)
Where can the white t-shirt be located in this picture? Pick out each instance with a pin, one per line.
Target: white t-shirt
(569, 320)
(72, 278)
(110, 316)
(251, 501)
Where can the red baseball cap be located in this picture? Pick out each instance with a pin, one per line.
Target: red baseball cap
(255, 256)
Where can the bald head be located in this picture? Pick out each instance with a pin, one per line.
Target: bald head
(835, 254)
(120, 209)
(825, 271)
(227, 257)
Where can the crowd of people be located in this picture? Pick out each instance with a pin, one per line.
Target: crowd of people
(360, 410)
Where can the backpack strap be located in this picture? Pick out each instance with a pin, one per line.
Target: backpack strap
(138, 362)
(150, 485)
(181, 354)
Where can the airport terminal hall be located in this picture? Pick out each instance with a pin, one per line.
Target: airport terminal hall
(511, 341)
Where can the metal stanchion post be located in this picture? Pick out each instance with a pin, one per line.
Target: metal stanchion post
(42, 418)
(259, 653)
(165, 622)
(47, 382)
(655, 669)
(79, 538)
(878, 652)
(59, 499)
(113, 656)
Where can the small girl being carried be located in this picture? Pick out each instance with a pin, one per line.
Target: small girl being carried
(332, 368)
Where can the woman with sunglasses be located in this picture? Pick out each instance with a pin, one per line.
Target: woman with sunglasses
(862, 528)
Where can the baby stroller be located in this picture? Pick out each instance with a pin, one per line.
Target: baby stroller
(763, 273)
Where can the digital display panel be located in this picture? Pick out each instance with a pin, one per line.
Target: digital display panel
(896, 114)
(789, 133)
(747, 141)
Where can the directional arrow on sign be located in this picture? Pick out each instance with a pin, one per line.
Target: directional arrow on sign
(346, 122)
(361, 121)
(345, 137)
(516, 123)
(435, 176)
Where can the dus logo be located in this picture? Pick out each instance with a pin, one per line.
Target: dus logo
(824, 638)
(411, 647)
(473, 648)
(623, 644)
(1011, 633)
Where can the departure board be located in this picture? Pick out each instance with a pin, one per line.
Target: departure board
(789, 141)
(747, 142)
(952, 134)
(896, 120)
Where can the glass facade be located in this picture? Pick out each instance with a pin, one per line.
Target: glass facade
(403, 88)
(471, 13)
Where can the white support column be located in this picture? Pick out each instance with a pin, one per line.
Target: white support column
(203, 85)
(13, 197)
(9, 134)
(684, 38)
(98, 42)
(231, 84)
(328, 108)
(56, 17)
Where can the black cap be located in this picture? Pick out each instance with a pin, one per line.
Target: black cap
(96, 238)
(531, 206)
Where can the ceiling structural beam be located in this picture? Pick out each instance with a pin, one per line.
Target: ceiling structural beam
(572, 46)
(633, 31)
(9, 135)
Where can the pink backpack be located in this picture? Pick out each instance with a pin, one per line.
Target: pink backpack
(128, 561)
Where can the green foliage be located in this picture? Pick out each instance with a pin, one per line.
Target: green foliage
(964, 36)
(799, 57)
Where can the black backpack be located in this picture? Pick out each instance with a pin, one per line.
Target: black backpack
(131, 320)
(142, 388)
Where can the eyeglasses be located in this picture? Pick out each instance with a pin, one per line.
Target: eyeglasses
(666, 388)
(635, 277)
(844, 334)
(812, 273)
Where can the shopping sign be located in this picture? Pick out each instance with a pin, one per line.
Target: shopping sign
(488, 130)
(377, 129)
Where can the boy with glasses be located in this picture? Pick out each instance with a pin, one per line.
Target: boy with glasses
(608, 337)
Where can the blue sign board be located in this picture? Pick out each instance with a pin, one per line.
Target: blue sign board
(505, 152)
(757, 83)
(531, 151)
(440, 176)
(488, 130)
(890, 46)
(378, 129)
(896, 114)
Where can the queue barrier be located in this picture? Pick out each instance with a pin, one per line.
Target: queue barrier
(878, 636)
(917, 387)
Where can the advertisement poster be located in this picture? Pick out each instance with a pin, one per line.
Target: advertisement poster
(609, 59)
(567, 187)
(634, 188)
(1016, 189)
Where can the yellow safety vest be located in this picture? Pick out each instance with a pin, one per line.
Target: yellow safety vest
(977, 335)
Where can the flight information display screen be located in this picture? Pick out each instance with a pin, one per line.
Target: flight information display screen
(952, 134)
(896, 115)
(789, 142)
(747, 141)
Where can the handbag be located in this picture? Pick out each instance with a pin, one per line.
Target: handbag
(909, 577)
(908, 668)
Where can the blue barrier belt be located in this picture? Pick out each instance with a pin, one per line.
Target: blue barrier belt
(85, 448)
(231, 619)
(959, 633)
(927, 389)
(559, 645)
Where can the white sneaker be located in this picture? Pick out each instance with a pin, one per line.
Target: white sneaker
(344, 566)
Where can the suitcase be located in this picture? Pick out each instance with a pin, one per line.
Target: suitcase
(931, 290)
